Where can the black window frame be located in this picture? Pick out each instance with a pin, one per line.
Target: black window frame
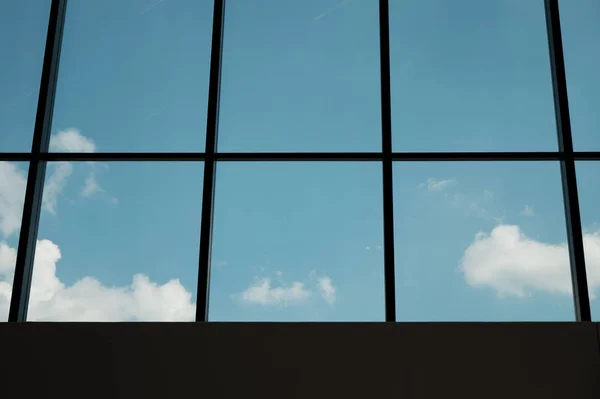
(39, 156)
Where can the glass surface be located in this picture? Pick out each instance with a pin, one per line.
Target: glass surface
(481, 242)
(581, 35)
(470, 75)
(23, 28)
(300, 76)
(134, 74)
(118, 242)
(588, 174)
(13, 181)
(297, 242)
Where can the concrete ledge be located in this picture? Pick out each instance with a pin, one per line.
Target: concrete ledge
(301, 360)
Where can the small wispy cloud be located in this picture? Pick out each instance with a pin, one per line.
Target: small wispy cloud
(527, 211)
(262, 292)
(266, 292)
(437, 185)
(55, 185)
(69, 140)
(336, 7)
(91, 186)
(13, 182)
(374, 247)
(326, 289)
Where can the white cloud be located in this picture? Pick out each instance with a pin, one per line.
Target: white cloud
(13, 182)
(91, 186)
(55, 185)
(326, 289)
(267, 293)
(262, 293)
(8, 257)
(71, 140)
(527, 211)
(436, 185)
(12, 192)
(513, 264)
(88, 299)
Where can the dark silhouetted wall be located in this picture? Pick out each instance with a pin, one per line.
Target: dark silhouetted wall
(230, 360)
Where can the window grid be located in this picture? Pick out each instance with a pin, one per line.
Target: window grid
(39, 156)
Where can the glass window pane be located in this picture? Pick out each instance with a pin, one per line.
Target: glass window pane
(23, 28)
(134, 74)
(480, 242)
(589, 193)
(470, 75)
(13, 181)
(118, 242)
(300, 76)
(581, 35)
(297, 242)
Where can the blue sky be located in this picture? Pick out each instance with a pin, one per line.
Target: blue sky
(300, 241)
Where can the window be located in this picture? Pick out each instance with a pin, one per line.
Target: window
(23, 27)
(297, 242)
(480, 242)
(581, 33)
(470, 75)
(300, 76)
(118, 241)
(298, 161)
(134, 74)
(587, 180)
(13, 178)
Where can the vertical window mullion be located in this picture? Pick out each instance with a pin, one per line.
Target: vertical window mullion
(386, 146)
(37, 168)
(569, 181)
(208, 192)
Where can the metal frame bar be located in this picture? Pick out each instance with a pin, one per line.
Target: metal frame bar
(387, 163)
(567, 164)
(208, 191)
(301, 156)
(37, 168)
(39, 157)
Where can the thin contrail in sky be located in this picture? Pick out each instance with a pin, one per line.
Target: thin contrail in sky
(151, 6)
(340, 4)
